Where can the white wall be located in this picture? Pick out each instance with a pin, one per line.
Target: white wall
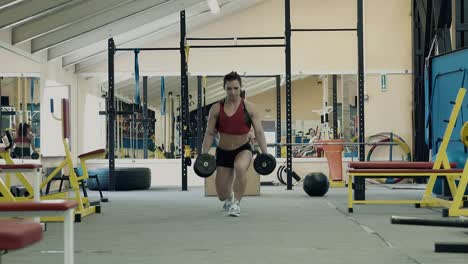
(85, 103)
(387, 45)
(14, 64)
(51, 123)
(387, 40)
(90, 125)
(387, 50)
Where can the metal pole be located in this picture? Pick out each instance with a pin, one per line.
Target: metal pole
(111, 114)
(1, 110)
(287, 22)
(359, 184)
(204, 109)
(402, 220)
(243, 77)
(322, 29)
(233, 38)
(236, 46)
(145, 117)
(199, 114)
(278, 115)
(183, 93)
(335, 108)
(148, 49)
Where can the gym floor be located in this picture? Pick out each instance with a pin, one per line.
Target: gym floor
(165, 225)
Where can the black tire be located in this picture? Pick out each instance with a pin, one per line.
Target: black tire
(103, 177)
(127, 179)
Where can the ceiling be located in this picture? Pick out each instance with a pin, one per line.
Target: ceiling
(214, 88)
(76, 32)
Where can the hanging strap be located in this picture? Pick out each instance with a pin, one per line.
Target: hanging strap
(187, 53)
(163, 97)
(32, 98)
(137, 78)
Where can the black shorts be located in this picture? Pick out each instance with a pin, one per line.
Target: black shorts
(22, 152)
(225, 158)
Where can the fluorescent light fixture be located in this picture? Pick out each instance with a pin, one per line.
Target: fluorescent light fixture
(10, 4)
(214, 6)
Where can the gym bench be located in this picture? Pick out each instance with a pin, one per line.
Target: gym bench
(406, 170)
(81, 179)
(17, 234)
(440, 168)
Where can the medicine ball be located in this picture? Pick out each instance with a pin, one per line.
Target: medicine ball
(34, 155)
(316, 184)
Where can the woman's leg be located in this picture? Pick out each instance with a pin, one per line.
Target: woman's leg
(224, 180)
(241, 165)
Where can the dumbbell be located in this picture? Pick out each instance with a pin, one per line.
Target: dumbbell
(205, 165)
(35, 155)
(264, 164)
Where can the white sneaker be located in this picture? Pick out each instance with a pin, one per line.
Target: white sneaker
(234, 210)
(227, 203)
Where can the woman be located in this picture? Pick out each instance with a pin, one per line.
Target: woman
(23, 141)
(233, 118)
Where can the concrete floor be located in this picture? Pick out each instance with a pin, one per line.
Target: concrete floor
(165, 225)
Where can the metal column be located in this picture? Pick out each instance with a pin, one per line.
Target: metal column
(111, 114)
(145, 117)
(287, 34)
(359, 184)
(278, 115)
(461, 26)
(200, 123)
(184, 99)
(335, 108)
(1, 110)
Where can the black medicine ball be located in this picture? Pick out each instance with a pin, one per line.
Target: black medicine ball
(316, 184)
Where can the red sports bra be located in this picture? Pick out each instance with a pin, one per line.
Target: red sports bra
(22, 140)
(237, 124)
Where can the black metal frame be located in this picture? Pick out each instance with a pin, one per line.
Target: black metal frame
(322, 29)
(287, 26)
(145, 117)
(430, 18)
(184, 99)
(236, 46)
(335, 106)
(200, 122)
(234, 38)
(359, 183)
(461, 25)
(184, 88)
(278, 115)
(111, 112)
(243, 76)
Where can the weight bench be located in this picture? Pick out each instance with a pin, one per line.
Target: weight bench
(95, 154)
(440, 167)
(17, 234)
(81, 179)
(35, 169)
(408, 170)
(26, 233)
(85, 207)
(394, 165)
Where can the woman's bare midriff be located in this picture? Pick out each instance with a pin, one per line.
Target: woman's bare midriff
(231, 142)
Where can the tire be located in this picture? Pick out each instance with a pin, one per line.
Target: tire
(127, 179)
